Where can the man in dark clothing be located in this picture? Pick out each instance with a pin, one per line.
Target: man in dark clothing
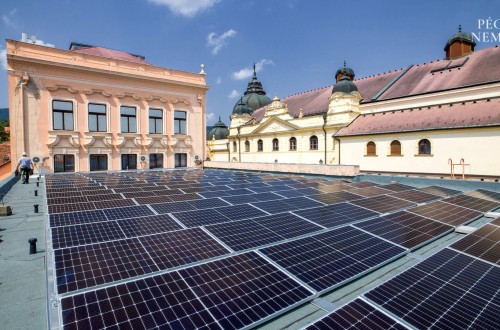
(24, 163)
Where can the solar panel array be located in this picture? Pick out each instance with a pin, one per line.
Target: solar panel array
(220, 249)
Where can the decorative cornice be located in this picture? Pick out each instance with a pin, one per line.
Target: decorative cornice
(57, 87)
(131, 95)
(153, 98)
(177, 100)
(96, 91)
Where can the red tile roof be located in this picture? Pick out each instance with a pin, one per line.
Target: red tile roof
(458, 115)
(110, 53)
(482, 66)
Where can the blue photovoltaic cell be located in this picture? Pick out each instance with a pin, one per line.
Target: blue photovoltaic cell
(163, 301)
(198, 218)
(208, 203)
(356, 315)
(181, 247)
(148, 225)
(326, 260)
(172, 207)
(449, 290)
(287, 225)
(483, 243)
(243, 290)
(127, 212)
(336, 215)
(89, 265)
(68, 236)
(76, 218)
(238, 212)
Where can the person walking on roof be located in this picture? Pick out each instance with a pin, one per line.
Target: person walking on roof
(26, 167)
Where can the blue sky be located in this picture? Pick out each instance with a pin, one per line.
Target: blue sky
(297, 44)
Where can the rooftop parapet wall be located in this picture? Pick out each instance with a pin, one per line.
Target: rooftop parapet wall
(331, 170)
(17, 50)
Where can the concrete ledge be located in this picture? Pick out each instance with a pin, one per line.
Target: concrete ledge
(331, 170)
(5, 210)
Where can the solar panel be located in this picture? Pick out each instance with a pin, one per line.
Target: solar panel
(440, 191)
(363, 184)
(110, 196)
(406, 229)
(181, 247)
(148, 225)
(243, 290)
(184, 197)
(473, 203)
(66, 200)
(397, 187)
(76, 218)
(496, 222)
(161, 301)
(68, 236)
(415, 196)
(251, 233)
(208, 203)
(357, 314)
(196, 218)
(336, 215)
(113, 203)
(484, 243)
(447, 213)
(336, 197)
(383, 203)
(448, 290)
(172, 207)
(371, 191)
(334, 188)
(90, 265)
(238, 212)
(333, 258)
(299, 192)
(61, 208)
(127, 212)
(153, 199)
(285, 205)
(485, 194)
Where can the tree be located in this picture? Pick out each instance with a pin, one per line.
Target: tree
(4, 136)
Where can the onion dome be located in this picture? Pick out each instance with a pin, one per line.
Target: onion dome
(242, 107)
(462, 37)
(345, 70)
(218, 132)
(254, 97)
(345, 85)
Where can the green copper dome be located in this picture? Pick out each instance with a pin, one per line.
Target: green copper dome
(345, 85)
(219, 131)
(460, 36)
(345, 70)
(255, 97)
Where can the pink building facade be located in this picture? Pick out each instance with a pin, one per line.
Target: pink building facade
(91, 108)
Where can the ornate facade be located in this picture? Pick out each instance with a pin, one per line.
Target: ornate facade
(91, 108)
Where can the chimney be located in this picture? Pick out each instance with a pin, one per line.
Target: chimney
(460, 44)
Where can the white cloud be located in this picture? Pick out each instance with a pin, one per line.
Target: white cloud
(186, 8)
(217, 42)
(247, 72)
(211, 118)
(234, 94)
(3, 58)
(7, 19)
(218, 81)
(43, 43)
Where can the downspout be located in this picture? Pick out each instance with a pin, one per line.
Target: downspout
(324, 131)
(228, 151)
(239, 144)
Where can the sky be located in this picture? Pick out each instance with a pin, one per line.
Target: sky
(297, 45)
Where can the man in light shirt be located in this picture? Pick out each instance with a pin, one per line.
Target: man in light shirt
(24, 163)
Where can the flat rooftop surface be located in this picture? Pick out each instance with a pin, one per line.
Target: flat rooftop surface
(227, 249)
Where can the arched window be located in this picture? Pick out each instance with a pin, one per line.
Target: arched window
(395, 148)
(260, 145)
(424, 147)
(235, 146)
(313, 142)
(247, 146)
(276, 145)
(293, 144)
(371, 149)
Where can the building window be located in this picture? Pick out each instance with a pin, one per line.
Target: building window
(98, 162)
(155, 121)
(313, 142)
(128, 119)
(395, 148)
(179, 122)
(129, 162)
(260, 145)
(62, 115)
(371, 149)
(64, 163)
(293, 144)
(247, 146)
(155, 161)
(97, 117)
(235, 146)
(424, 147)
(180, 160)
(276, 145)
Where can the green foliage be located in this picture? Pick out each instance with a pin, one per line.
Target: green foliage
(4, 136)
